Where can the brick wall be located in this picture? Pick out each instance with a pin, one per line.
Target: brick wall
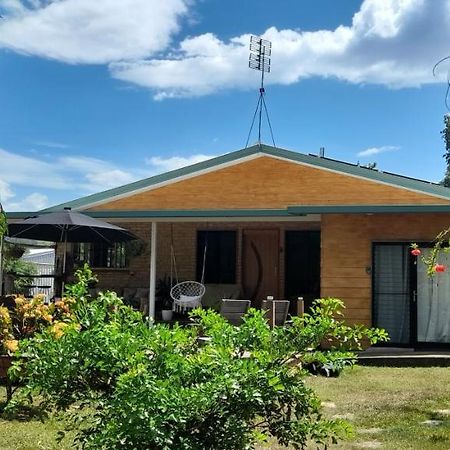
(346, 253)
(185, 248)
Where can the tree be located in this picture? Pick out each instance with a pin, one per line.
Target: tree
(16, 267)
(10, 262)
(3, 230)
(3, 222)
(445, 133)
(131, 386)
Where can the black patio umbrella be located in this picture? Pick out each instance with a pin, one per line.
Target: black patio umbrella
(68, 226)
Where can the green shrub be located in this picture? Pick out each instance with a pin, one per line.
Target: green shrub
(130, 386)
(20, 270)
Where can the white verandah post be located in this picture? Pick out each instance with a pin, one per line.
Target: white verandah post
(152, 284)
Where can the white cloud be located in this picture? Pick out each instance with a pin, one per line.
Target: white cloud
(101, 180)
(32, 202)
(25, 171)
(394, 43)
(50, 144)
(390, 42)
(160, 164)
(377, 150)
(90, 31)
(62, 173)
(5, 192)
(77, 175)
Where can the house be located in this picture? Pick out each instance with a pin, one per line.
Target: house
(281, 223)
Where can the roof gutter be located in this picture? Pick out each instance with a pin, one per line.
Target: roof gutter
(169, 213)
(367, 209)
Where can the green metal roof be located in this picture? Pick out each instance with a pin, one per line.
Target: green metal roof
(242, 213)
(367, 209)
(179, 213)
(20, 214)
(311, 160)
(171, 213)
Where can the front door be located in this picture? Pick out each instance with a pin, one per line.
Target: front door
(260, 264)
(413, 307)
(302, 267)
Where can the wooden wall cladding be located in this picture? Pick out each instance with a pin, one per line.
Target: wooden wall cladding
(267, 182)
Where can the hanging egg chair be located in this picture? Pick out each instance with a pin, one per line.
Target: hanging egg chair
(186, 295)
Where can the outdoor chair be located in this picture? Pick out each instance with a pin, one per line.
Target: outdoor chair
(187, 296)
(234, 310)
(276, 311)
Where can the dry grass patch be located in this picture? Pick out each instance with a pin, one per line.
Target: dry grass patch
(389, 405)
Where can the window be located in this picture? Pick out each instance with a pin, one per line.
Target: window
(101, 255)
(220, 266)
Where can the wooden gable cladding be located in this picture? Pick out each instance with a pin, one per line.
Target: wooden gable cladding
(267, 183)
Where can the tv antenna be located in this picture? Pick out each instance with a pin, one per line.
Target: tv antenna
(447, 94)
(259, 59)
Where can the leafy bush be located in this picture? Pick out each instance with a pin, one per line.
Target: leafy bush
(3, 222)
(20, 270)
(131, 386)
(28, 316)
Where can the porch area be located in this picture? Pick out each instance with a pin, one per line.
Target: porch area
(248, 258)
(404, 357)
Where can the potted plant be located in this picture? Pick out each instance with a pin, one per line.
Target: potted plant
(167, 309)
(163, 287)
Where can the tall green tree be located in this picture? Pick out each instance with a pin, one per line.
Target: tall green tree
(445, 133)
(3, 222)
(3, 230)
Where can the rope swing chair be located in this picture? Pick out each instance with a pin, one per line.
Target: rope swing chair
(186, 295)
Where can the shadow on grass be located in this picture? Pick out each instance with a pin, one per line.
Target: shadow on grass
(23, 413)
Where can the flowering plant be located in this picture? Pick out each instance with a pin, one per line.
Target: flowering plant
(29, 316)
(7, 342)
(441, 245)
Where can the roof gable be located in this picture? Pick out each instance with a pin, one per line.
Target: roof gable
(265, 182)
(219, 164)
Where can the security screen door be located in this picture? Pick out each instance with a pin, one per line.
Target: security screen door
(411, 306)
(392, 291)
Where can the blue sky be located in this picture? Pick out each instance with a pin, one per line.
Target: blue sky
(97, 94)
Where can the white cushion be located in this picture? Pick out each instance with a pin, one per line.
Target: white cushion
(189, 298)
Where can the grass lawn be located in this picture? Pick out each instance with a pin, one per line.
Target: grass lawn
(386, 406)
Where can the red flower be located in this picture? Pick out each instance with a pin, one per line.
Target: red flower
(440, 268)
(415, 252)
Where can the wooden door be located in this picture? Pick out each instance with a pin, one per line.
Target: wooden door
(260, 264)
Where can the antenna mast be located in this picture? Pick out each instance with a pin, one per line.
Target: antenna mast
(259, 59)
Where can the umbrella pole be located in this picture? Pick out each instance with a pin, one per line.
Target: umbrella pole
(64, 263)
